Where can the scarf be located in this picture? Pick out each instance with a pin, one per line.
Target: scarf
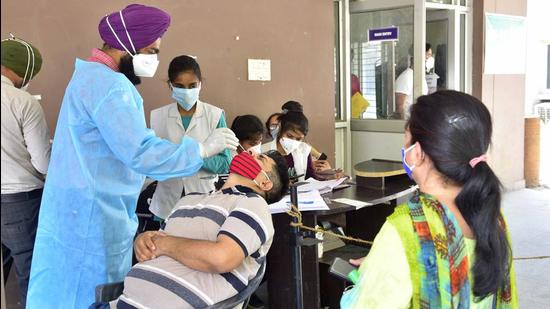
(442, 263)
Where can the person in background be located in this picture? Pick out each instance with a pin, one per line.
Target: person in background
(404, 85)
(101, 153)
(292, 106)
(187, 116)
(25, 156)
(430, 62)
(272, 125)
(355, 84)
(448, 246)
(358, 103)
(249, 130)
(294, 127)
(318, 164)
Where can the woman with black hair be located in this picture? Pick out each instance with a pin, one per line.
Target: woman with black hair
(447, 247)
(272, 123)
(187, 116)
(290, 142)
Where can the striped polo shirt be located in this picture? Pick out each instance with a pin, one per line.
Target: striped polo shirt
(163, 282)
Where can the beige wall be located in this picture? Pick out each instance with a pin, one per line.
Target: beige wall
(296, 35)
(504, 95)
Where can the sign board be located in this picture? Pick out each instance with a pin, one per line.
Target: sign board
(505, 44)
(384, 34)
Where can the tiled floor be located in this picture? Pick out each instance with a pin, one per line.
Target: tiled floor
(528, 214)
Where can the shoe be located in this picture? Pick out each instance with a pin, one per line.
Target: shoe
(255, 303)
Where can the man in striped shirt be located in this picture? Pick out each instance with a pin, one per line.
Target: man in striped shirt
(211, 244)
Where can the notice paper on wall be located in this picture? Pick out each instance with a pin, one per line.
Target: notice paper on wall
(307, 201)
(259, 69)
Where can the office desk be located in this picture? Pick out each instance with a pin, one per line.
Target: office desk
(363, 223)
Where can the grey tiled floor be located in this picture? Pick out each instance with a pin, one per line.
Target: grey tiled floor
(528, 214)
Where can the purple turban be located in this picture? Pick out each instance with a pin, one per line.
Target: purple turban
(145, 24)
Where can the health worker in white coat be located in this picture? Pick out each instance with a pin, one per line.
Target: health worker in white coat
(187, 116)
(404, 84)
(101, 153)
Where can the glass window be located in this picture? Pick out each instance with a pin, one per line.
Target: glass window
(375, 66)
(437, 26)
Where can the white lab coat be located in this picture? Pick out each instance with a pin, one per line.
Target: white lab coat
(166, 122)
(404, 85)
(300, 157)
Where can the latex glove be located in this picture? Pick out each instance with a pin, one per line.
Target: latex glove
(219, 140)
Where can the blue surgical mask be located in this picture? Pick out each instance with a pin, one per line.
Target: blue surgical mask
(408, 169)
(186, 98)
(274, 131)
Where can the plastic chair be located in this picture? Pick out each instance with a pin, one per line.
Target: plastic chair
(244, 296)
(146, 221)
(105, 293)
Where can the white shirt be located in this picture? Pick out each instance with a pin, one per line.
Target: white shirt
(404, 85)
(166, 122)
(25, 141)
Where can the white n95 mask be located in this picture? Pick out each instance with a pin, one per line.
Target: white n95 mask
(289, 145)
(145, 65)
(25, 87)
(256, 149)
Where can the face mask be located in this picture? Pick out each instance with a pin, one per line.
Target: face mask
(186, 98)
(430, 62)
(145, 65)
(24, 88)
(408, 169)
(256, 149)
(289, 145)
(245, 164)
(274, 131)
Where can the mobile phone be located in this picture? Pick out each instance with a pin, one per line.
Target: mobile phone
(323, 156)
(341, 269)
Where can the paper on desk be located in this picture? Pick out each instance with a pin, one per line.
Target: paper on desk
(321, 186)
(355, 203)
(307, 201)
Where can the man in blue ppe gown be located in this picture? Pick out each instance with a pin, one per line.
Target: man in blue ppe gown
(101, 153)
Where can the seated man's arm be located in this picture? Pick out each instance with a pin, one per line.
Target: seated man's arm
(220, 256)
